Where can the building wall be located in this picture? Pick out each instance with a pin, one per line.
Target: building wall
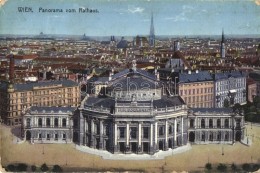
(251, 92)
(232, 89)
(17, 101)
(133, 134)
(209, 128)
(48, 127)
(197, 94)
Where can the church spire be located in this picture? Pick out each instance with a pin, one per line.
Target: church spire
(152, 36)
(223, 37)
(222, 47)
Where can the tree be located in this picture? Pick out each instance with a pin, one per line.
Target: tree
(246, 167)
(44, 167)
(222, 167)
(21, 167)
(11, 168)
(226, 103)
(233, 167)
(208, 166)
(33, 168)
(56, 168)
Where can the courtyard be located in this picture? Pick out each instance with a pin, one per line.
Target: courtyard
(68, 157)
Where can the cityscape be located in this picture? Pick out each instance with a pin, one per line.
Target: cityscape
(149, 99)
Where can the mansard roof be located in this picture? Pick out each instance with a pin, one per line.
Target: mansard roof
(30, 86)
(134, 80)
(126, 72)
(195, 77)
(108, 102)
(226, 75)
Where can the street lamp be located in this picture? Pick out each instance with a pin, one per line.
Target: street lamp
(43, 150)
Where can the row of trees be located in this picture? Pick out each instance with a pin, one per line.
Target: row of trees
(251, 109)
(234, 168)
(22, 167)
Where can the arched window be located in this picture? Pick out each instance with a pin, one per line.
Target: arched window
(56, 122)
(226, 123)
(40, 122)
(211, 136)
(202, 123)
(203, 136)
(210, 123)
(191, 123)
(219, 136)
(218, 123)
(64, 123)
(48, 122)
(28, 122)
(226, 136)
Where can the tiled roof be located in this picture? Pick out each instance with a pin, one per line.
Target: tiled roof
(226, 75)
(195, 77)
(160, 103)
(29, 86)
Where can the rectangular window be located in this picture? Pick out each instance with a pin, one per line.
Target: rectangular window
(63, 136)
(40, 136)
(145, 132)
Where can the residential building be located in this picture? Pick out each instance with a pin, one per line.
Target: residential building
(195, 88)
(251, 88)
(230, 87)
(14, 97)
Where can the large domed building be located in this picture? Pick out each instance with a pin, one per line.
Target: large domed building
(133, 113)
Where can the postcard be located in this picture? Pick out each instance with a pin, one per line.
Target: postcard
(129, 85)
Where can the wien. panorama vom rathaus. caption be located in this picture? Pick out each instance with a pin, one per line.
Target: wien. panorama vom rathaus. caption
(131, 97)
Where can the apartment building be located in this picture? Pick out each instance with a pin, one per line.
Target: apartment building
(15, 98)
(196, 88)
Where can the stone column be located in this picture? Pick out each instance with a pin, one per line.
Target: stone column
(175, 132)
(127, 134)
(101, 134)
(139, 134)
(166, 135)
(60, 122)
(92, 133)
(182, 130)
(151, 135)
(43, 121)
(139, 137)
(155, 136)
(115, 137)
(82, 135)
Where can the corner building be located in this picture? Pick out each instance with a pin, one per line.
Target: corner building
(132, 115)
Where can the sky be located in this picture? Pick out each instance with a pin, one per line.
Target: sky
(132, 17)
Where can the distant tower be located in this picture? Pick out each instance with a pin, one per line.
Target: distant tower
(152, 36)
(11, 69)
(176, 45)
(222, 48)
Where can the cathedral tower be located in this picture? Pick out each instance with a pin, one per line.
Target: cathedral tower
(152, 36)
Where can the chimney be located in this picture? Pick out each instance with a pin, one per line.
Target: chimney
(11, 69)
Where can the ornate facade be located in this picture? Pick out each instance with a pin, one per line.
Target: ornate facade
(48, 124)
(133, 116)
(215, 125)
